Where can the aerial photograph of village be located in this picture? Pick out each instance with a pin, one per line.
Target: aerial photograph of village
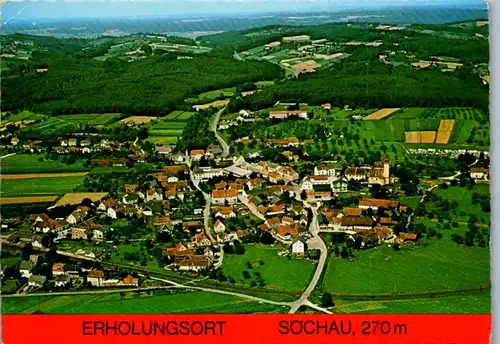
(306, 158)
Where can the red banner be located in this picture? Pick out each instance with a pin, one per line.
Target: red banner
(242, 329)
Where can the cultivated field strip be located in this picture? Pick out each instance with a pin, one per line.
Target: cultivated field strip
(43, 175)
(445, 130)
(24, 200)
(382, 113)
(77, 198)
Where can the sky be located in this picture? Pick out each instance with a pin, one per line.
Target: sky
(65, 9)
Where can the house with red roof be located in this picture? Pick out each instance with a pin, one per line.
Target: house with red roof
(378, 203)
(200, 240)
(177, 251)
(223, 196)
(193, 262)
(197, 154)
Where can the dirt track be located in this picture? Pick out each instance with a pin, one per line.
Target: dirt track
(43, 175)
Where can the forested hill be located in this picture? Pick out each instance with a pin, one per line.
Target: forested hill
(152, 86)
(153, 74)
(375, 85)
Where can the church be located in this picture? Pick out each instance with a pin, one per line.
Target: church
(379, 174)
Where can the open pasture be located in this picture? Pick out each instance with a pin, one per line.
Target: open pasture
(157, 302)
(30, 164)
(91, 118)
(277, 272)
(441, 265)
(380, 114)
(39, 186)
(21, 116)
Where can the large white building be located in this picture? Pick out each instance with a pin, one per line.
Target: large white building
(206, 173)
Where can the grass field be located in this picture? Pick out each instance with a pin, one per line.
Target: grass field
(161, 303)
(50, 123)
(212, 95)
(412, 202)
(479, 303)
(22, 116)
(277, 272)
(463, 197)
(29, 163)
(91, 118)
(179, 115)
(408, 113)
(167, 132)
(441, 265)
(162, 140)
(38, 186)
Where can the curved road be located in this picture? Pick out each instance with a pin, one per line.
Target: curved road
(224, 145)
(315, 243)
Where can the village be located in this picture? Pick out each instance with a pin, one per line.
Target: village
(200, 206)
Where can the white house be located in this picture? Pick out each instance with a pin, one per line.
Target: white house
(58, 269)
(61, 281)
(222, 196)
(307, 185)
(205, 173)
(154, 195)
(95, 277)
(340, 185)
(225, 213)
(98, 236)
(25, 268)
(480, 173)
(112, 213)
(298, 246)
(36, 280)
(284, 114)
(325, 170)
(219, 227)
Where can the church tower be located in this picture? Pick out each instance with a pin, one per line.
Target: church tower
(387, 172)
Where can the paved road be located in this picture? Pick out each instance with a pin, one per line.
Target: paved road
(210, 290)
(224, 145)
(5, 156)
(254, 211)
(315, 243)
(206, 211)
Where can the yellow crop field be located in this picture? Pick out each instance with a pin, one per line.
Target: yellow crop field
(382, 113)
(77, 198)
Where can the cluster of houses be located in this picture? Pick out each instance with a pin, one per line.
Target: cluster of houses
(77, 226)
(364, 222)
(480, 175)
(62, 276)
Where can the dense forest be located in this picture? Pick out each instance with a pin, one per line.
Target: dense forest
(152, 86)
(362, 81)
(77, 83)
